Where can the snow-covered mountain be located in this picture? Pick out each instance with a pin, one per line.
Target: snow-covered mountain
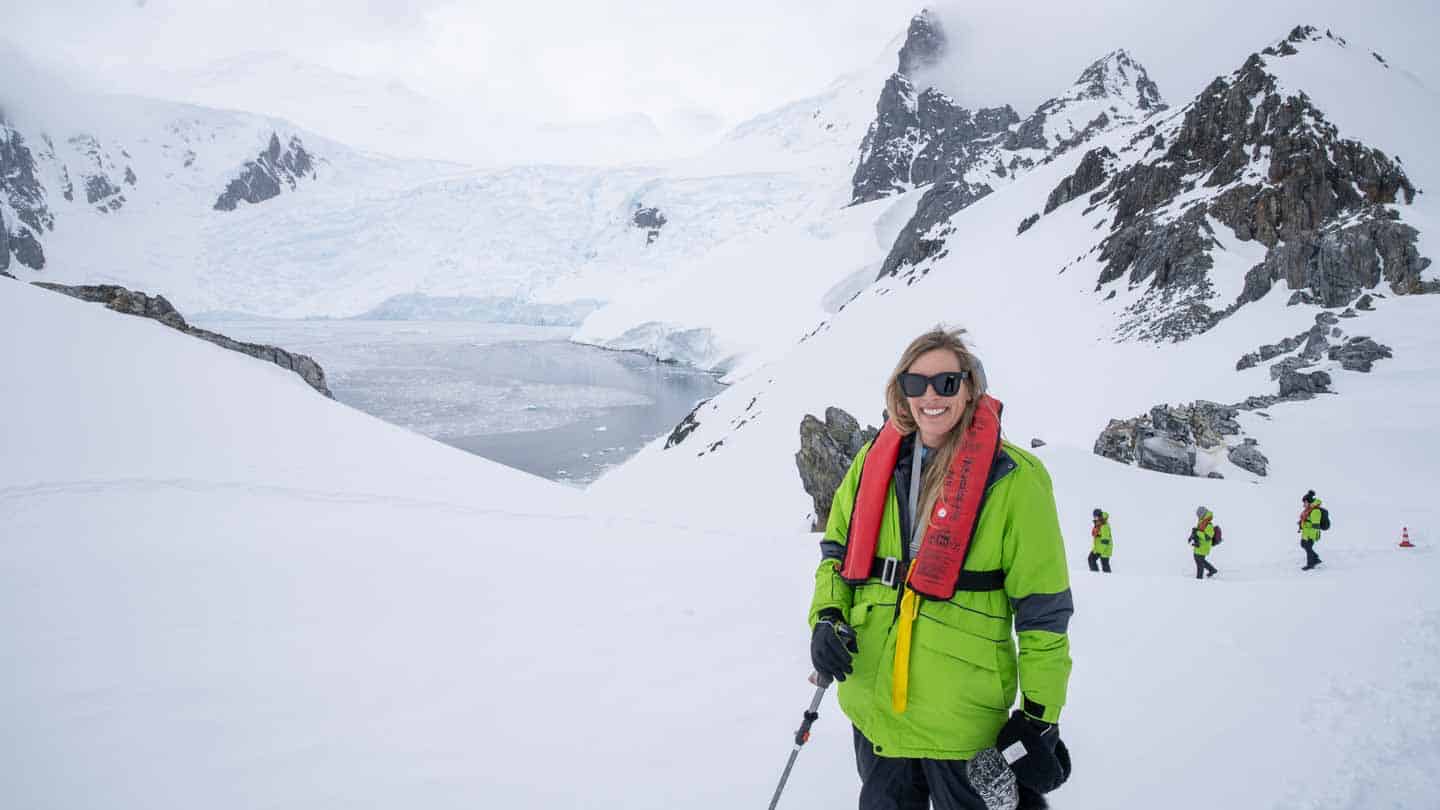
(921, 159)
(1304, 129)
(240, 593)
(341, 232)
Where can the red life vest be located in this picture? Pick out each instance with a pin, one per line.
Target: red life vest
(953, 517)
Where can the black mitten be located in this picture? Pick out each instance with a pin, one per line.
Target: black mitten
(832, 645)
(1041, 762)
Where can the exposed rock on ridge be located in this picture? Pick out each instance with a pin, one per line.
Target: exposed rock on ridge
(1282, 175)
(980, 152)
(826, 452)
(261, 179)
(24, 214)
(650, 220)
(157, 308)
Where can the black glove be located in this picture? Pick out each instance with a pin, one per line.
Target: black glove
(831, 646)
(1045, 764)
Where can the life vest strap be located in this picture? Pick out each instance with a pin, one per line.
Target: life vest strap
(891, 571)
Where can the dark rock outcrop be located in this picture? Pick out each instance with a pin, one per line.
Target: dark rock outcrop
(20, 187)
(1297, 385)
(1164, 454)
(1284, 177)
(1117, 441)
(924, 46)
(100, 177)
(155, 307)
(826, 451)
(265, 177)
(1088, 176)
(1270, 351)
(1333, 266)
(1169, 439)
(650, 220)
(1359, 353)
(1288, 366)
(1247, 456)
(922, 137)
(685, 427)
(923, 237)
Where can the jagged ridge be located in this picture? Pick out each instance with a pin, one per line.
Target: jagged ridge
(1282, 175)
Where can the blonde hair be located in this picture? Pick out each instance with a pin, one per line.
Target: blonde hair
(899, 409)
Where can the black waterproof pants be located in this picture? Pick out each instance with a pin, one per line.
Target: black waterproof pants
(1203, 567)
(1103, 562)
(912, 784)
(1311, 558)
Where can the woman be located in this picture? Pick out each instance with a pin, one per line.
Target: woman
(919, 624)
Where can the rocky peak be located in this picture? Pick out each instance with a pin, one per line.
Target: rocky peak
(22, 193)
(1118, 75)
(261, 179)
(1265, 163)
(925, 44)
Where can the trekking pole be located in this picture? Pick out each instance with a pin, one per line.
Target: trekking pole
(802, 736)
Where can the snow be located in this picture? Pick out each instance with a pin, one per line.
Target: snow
(310, 608)
(236, 593)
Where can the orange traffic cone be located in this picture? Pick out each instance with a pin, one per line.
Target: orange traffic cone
(1405, 538)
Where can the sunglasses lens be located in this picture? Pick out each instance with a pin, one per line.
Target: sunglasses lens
(947, 385)
(913, 385)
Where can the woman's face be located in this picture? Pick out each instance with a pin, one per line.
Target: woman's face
(936, 415)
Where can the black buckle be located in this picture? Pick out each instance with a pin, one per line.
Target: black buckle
(889, 573)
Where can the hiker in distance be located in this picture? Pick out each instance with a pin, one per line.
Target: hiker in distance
(916, 618)
(1101, 544)
(1204, 537)
(1313, 519)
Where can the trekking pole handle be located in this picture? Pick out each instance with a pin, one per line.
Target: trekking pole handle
(822, 682)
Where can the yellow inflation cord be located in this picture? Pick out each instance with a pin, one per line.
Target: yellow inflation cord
(900, 682)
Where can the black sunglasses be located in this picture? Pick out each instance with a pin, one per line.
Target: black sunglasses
(947, 384)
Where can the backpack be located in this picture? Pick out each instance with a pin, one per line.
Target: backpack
(1324, 519)
(1216, 541)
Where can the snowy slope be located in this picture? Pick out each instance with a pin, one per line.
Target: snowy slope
(730, 309)
(368, 228)
(1048, 344)
(240, 594)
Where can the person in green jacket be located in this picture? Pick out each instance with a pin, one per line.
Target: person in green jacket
(1202, 539)
(1100, 541)
(930, 718)
(1310, 516)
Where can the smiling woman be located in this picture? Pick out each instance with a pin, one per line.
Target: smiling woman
(943, 545)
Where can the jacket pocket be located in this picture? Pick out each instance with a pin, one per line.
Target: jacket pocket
(955, 672)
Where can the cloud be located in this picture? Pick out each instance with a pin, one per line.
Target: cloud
(586, 60)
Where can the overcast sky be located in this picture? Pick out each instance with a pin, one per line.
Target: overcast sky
(576, 60)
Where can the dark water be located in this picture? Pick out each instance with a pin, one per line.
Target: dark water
(521, 395)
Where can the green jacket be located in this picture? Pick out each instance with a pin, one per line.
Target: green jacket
(1310, 524)
(964, 670)
(1206, 534)
(1101, 544)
